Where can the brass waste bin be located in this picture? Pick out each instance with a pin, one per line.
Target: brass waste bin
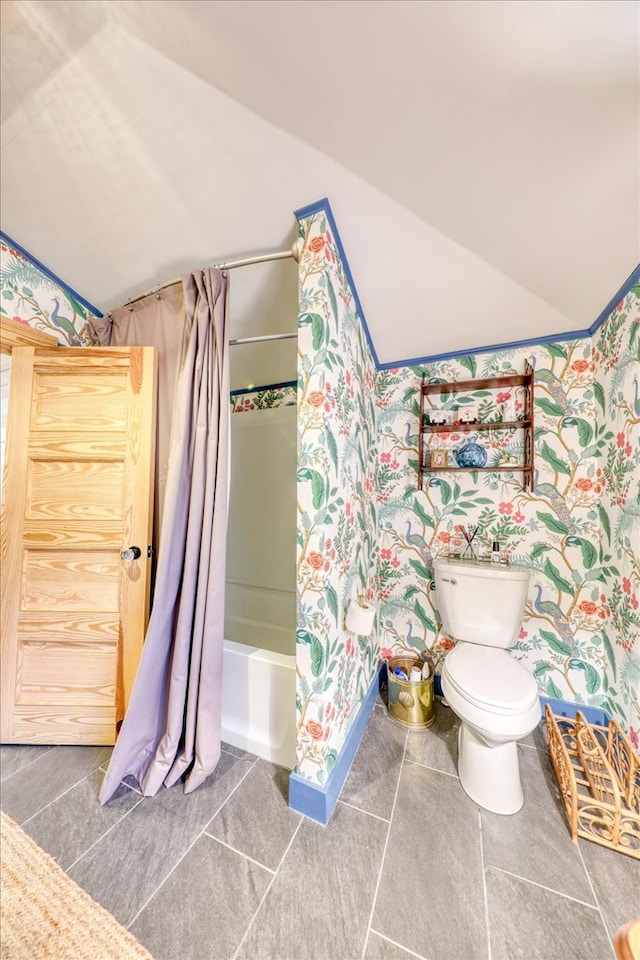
(410, 701)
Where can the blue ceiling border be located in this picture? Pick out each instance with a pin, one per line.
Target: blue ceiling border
(10, 242)
(325, 207)
(631, 281)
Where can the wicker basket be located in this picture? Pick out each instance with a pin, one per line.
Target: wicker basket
(598, 773)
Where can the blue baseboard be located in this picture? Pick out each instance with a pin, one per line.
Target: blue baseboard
(317, 801)
(566, 708)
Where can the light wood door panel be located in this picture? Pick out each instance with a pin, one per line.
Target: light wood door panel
(78, 490)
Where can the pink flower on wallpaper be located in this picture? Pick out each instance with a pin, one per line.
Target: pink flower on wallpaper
(505, 508)
(588, 607)
(315, 559)
(502, 397)
(626, 585)
(628, 450)
(633, 736)
(584, 484)
(314, 729)
(523, 633)
(580, 365)
(385, 554)
(395, 563)
(621, 440)
(385, 458)
(386, 654)
(518, 517)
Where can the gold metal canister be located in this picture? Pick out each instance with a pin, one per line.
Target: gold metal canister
(410, 702)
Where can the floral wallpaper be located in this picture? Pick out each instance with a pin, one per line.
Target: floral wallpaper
(30, 296)
(365, 529)
(337, 510)
(264, 399)
(616, 354)
(577, 531)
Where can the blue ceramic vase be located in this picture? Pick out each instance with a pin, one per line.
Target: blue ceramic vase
(471, 454)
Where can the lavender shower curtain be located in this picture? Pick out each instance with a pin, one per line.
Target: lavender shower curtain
(172, 725)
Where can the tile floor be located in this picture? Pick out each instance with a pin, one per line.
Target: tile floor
(409, 867)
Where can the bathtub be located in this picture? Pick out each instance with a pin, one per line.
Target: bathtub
(258, 702)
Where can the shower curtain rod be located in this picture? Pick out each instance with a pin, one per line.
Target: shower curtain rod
(268, 336)
(295, 252)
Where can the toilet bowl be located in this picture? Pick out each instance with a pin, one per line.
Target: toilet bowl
(495, 697)
(497, 702)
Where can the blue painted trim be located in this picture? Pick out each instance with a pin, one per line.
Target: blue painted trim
(269, 386)
(9, 242)
(494, 347)
(323, 206)
(567, 708)
(632, 279)
(318, 801)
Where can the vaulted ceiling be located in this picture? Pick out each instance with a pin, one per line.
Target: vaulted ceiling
(481, 157)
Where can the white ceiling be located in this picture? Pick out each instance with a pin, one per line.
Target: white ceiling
(481, 157)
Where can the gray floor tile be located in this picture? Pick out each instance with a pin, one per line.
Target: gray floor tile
(430, 898)
(14, 757)
(237, 751)
(257, 820)
(320, 901)
(124, 869)
(535, 843)
(379, 948)
(73, 823)
(371, 784)
(616, 879)
(205, 906)
(528, 922)
(28, 791)
(437, 746)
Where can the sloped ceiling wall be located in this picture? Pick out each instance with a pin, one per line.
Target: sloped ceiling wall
(481, 158)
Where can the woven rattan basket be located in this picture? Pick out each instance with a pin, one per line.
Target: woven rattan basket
(598, 773)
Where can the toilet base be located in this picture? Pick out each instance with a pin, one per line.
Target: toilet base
(490, 776)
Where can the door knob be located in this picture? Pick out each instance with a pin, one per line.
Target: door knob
(131, 553)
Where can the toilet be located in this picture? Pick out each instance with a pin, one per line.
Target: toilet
(495, 697)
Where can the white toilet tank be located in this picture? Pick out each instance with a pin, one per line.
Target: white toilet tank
(479, 602)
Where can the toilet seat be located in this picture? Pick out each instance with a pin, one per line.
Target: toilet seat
(490, 679)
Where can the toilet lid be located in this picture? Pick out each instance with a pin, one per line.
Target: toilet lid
(490, 677)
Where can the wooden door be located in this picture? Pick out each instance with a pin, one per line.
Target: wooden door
(78, 491)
